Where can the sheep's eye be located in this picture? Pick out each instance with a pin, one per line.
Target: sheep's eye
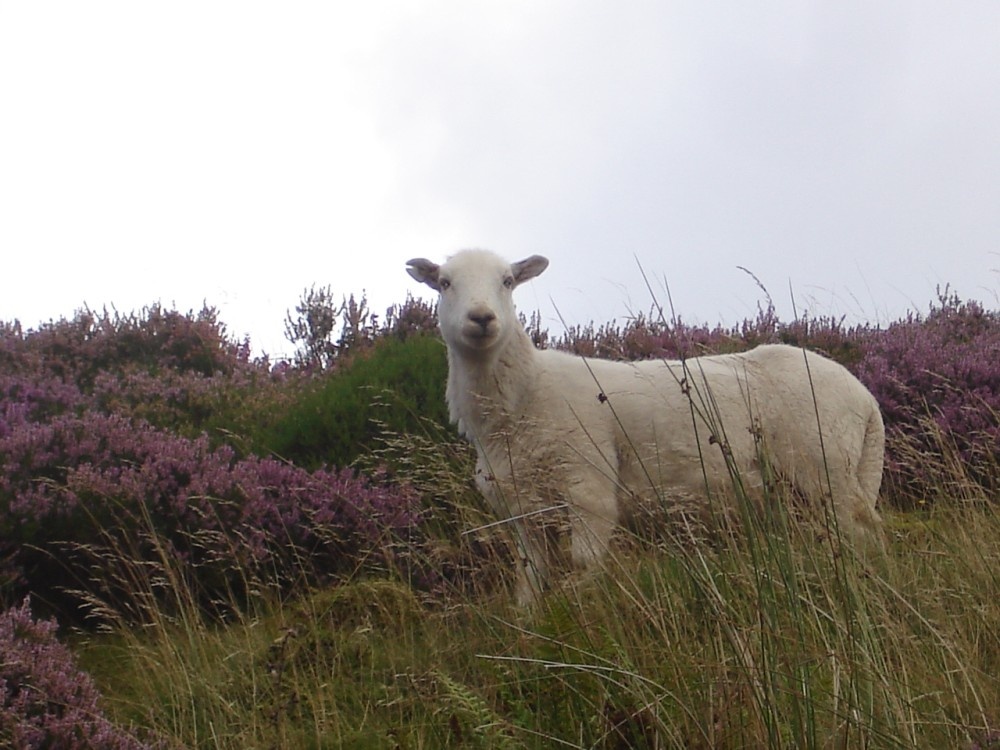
(444, 284)
(508, 282)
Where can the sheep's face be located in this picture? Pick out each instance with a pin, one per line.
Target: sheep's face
(476, 306)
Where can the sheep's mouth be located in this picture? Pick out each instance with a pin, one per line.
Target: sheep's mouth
(479, 337)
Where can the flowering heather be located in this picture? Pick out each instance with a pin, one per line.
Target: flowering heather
(103, 445)
(650, 336)
(26, 399)
(937, 380)
(73, 481)
(156, 338)
(176, 371)
(189, 403)
(45, 700)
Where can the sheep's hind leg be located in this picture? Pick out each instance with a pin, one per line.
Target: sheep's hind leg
(857, 521)
(856, 514)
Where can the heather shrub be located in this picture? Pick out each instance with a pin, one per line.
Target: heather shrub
(228, 408)
(413, 317)
(156, 338)
(122, 440)
(397, 387)
(937, 380)
(76, 487)
(176, 372)
(645, 337)
(649, 336)
(311, 328)
(326, 334)
(45, 700)
(26, 398)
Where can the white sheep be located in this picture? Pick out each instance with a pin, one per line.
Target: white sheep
(555, 430)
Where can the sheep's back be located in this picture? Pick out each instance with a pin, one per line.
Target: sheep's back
(676, 422)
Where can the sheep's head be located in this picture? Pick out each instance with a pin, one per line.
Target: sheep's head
(476, 306)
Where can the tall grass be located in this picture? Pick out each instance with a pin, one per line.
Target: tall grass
(762, 638)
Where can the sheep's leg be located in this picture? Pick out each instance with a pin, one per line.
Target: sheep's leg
(852, 478)
(593, 518)
(870, 464)
(532, 569)
(590, 537)
(857, 516)
(869, 479)
(503, 498)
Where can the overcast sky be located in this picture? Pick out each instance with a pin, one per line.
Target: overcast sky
(846, 153)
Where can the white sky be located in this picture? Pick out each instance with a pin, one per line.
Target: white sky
(238, 152)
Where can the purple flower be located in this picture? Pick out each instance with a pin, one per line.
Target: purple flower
(45, 700)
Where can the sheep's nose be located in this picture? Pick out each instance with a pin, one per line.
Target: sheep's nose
(483, 318)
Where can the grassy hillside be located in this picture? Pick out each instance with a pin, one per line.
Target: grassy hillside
(224, 579)
(771, 640)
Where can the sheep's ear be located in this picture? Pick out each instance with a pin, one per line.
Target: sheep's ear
(424, 271)
(529, 268)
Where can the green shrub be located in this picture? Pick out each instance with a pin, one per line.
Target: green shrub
(397, 388)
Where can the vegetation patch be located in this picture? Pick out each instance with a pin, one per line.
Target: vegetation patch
(312, 566)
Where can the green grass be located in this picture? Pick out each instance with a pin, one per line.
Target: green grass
(397, 387)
